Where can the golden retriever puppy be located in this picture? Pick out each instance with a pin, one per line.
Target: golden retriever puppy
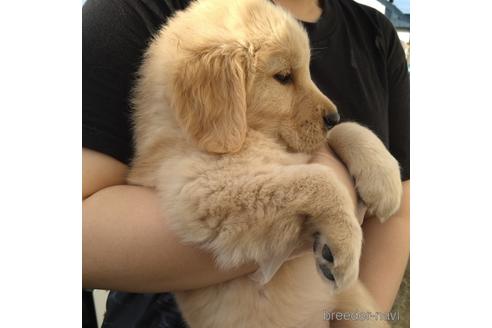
(226, 120)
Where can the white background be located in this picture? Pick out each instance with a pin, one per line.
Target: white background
(40, 164)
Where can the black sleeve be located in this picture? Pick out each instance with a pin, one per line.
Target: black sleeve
(115, 34)
(399, 100)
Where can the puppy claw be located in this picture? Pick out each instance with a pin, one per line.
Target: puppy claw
(326, 272)
(327, 255)
(337, 268)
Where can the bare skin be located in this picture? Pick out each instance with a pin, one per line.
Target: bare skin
(305, 10)
(385, 253)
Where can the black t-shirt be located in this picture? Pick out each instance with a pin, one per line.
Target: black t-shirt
(357, 61)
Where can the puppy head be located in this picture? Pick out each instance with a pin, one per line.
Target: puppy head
(284, 102)
(247, 67)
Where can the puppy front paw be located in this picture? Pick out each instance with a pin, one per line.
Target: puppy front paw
(376, 172)
(337, 259)
(380, 189)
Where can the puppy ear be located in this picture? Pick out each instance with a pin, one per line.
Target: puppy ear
(210, 97)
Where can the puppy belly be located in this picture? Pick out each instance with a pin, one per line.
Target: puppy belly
(295, 297)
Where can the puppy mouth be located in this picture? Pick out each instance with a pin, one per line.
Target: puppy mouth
(287, 145)
(328, 125)
(302, 146)
(306, 138)
(290, 149)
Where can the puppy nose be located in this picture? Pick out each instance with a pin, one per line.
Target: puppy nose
(331, 120)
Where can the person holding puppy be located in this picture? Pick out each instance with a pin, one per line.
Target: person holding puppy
(357, 61)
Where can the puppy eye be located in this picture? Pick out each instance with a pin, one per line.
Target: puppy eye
(283, 78)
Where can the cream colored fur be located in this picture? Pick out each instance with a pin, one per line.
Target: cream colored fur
(227, 147)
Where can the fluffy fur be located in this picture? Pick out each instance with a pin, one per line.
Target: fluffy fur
(227, 147)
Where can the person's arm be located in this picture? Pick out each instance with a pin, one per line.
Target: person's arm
(127, 244)
(385, 253)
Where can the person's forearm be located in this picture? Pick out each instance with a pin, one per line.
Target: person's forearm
(385, 253)
(129, 246)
